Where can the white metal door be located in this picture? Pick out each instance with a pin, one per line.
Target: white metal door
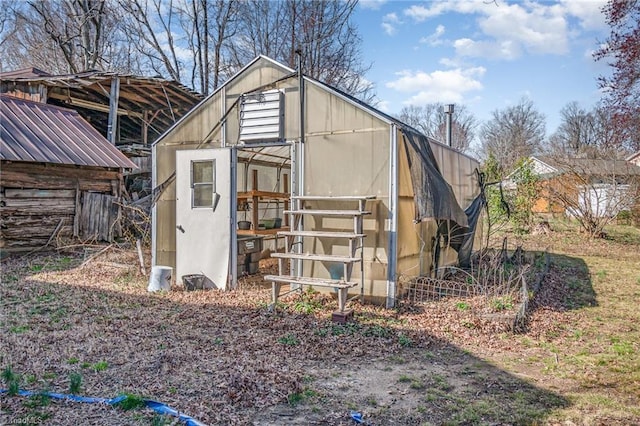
(205, 207)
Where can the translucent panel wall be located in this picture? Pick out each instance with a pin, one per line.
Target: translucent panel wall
(347, 152)
(195, 131)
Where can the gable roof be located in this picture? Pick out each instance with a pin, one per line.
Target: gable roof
(291, 73)
(36, 132)
(590, 166)
(203, 102)
(634, 158)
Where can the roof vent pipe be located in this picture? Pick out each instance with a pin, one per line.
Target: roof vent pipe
(448, 111)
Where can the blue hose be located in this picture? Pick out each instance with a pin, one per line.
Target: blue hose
(156, 406)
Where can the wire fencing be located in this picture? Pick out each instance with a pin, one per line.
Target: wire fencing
(503, 283)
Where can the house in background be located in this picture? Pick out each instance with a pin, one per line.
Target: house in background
(634, 158)
(583, 186)
(59, 177)
(358, 194)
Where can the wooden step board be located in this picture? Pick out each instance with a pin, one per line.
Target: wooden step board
(350, 213)
(320, 234)
(333, 197)
(341, 286)
(316, 282)
(318, 257)
(293, 237)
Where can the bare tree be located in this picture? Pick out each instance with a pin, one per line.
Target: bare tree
(576, 132)
(210, 26)
(430, 119)
(75, 27)
(197, 42)
(609, 138)
(62, 36)
(513, 133)
(585, 133)
(224, 30)
(152, 26)
(623, 86)
(6, 22)
(262, 30)
(322, 30)
(422, 118)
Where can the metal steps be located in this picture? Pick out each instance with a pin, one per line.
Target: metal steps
(294, 241)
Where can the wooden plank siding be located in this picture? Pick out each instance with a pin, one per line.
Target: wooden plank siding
(99, 216)
(40, 200)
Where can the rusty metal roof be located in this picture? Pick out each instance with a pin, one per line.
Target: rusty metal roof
(36, 132)
(154, 100)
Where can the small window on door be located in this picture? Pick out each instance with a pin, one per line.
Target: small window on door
(203, 184)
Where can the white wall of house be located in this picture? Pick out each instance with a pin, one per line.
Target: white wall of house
(602, 200)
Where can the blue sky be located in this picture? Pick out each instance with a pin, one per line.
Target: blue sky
(483, 54)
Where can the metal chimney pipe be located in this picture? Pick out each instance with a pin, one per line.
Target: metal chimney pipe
(448, 110)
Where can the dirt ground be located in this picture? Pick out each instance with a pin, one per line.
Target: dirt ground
(224, 358)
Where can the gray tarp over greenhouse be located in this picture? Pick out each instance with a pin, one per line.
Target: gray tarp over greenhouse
(434, 197)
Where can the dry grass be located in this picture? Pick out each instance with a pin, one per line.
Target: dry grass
(224, 359)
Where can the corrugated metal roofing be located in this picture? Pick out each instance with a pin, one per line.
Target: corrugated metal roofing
(36, 132)
(89, 78)
(158, 101)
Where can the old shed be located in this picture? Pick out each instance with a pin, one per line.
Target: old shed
(130, 111)
(59, 177)
(349, 198)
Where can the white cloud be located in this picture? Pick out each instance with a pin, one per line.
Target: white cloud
(391, 17)
(388, 28)
(421, 13)
(508, 30)
(438, 86)
(534, 27)
(450, 62)
(389, 22)
(371, 4)
(507, 50)
(589, 13)
(434, 39)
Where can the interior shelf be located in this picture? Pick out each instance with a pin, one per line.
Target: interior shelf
(273, 231)
(263, 195)
(254, 198)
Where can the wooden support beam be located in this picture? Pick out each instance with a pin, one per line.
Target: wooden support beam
(82, 103)
(113, 110)
(254, 180)
(145, 127)
(285, 184)
(254, 203)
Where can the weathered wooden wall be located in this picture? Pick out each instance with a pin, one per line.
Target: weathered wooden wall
(34, 92)
(38, 201)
